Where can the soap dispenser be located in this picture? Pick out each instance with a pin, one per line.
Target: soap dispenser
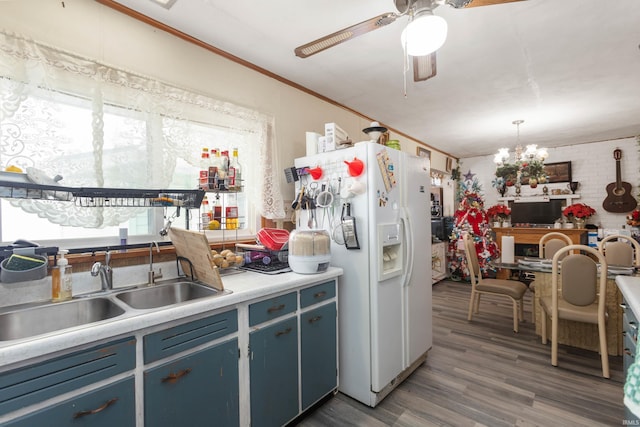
(61, 284)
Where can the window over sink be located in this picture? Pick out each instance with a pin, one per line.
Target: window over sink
(100, 126)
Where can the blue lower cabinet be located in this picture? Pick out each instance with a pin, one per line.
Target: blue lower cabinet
(198, 390)
(319, 370)
(274, 373)
(108, 406)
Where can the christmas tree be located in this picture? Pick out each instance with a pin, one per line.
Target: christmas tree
(470, 218)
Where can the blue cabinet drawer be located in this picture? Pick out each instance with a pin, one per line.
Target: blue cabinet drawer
(272, 308)
(200, 389)
(318, 293)
(108, 406)
(168, 342)
(44, 380)
(319, 353)
(629, 324)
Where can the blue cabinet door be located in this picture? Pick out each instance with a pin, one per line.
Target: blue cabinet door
(197, 390)
(274, 373)
(318, 350)
(108, 406)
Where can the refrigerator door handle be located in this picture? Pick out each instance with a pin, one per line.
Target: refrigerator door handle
(408, 243)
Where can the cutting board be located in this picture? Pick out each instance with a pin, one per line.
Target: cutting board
(194, 246)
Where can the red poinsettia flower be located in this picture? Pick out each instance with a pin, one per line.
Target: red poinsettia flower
(501, 212)
(578, 210)
(633, 219)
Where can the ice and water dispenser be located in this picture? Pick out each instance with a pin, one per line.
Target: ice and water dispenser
(390, 251)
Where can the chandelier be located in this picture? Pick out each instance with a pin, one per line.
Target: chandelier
(525, 167)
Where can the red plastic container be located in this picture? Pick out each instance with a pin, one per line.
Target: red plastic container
(272, 238)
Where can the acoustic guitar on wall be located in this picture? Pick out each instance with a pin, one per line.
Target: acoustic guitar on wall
(619, 198)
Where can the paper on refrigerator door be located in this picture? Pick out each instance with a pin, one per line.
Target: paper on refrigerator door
(387, 170)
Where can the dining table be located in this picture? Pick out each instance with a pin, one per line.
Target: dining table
(571, 333)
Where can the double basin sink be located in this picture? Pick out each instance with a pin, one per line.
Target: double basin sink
(50, 317)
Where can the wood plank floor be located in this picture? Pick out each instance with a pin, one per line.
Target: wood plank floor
(481, 373)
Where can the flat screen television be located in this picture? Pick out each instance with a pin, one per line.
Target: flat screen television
(536, 212)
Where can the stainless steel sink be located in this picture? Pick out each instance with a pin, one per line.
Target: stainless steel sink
(164, 295)
(42, 319)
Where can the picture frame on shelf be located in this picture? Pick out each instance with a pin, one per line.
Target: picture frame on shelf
(558, 171)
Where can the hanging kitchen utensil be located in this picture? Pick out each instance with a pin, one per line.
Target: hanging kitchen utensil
(316, 173)
(324, 200)
(355, 167)
(349, 230)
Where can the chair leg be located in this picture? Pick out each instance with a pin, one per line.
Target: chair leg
(543, 325)
(477, 303)
(472, 303)
(516, 316)
(521, 304)
(554, 339)
(604, 352)
(533, 307)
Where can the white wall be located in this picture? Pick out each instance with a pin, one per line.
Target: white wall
(96, 31)
(592, 165)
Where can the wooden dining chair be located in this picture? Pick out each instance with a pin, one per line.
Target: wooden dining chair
(512, 289)
(578, 293)
(619, 249)
(548, 245)
(551, 242)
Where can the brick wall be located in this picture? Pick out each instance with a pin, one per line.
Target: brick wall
(592, 165)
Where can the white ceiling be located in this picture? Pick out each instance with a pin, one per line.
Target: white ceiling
(569, 68)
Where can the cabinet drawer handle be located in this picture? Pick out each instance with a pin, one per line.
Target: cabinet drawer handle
(627, 352)
(315, 319)
(172, 378)
(632, 325)
(95, 411)
(275, 308)
(320, 294)
(623, 306)
(285, 332)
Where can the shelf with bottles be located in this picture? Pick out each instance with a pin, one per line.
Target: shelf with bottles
(220, 172)
(222, 213)
(103, 197)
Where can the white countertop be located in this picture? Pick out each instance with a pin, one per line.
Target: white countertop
(630, 288)
(245, 286)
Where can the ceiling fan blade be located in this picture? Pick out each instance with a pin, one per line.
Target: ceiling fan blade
(476, 3)
(345, 34)
(424, 67)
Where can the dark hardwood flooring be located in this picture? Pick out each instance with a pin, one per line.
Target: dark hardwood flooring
(481, 373)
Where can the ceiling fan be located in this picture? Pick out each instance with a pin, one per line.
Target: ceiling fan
(424, 58)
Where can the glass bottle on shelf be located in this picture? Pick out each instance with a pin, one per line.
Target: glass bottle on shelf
(213, 169)
(231, 212)
(217, 213)
(203, 181)
(235, 173)
(221, 161)
(205, 213)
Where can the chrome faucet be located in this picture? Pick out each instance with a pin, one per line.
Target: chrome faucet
(105, 271)
(152, 274)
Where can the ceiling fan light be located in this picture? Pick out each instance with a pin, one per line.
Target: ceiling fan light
(425, 34)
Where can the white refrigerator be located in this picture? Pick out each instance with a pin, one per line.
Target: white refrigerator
(384, 316)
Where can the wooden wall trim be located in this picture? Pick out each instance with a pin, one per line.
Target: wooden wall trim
(149, 21)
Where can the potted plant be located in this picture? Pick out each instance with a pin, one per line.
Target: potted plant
(508, 172)
(578, 213)
(499, 184)
(499, 214)
(633, 219)
(534, 171)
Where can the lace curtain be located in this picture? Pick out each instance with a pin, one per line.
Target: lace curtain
(99, 126)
